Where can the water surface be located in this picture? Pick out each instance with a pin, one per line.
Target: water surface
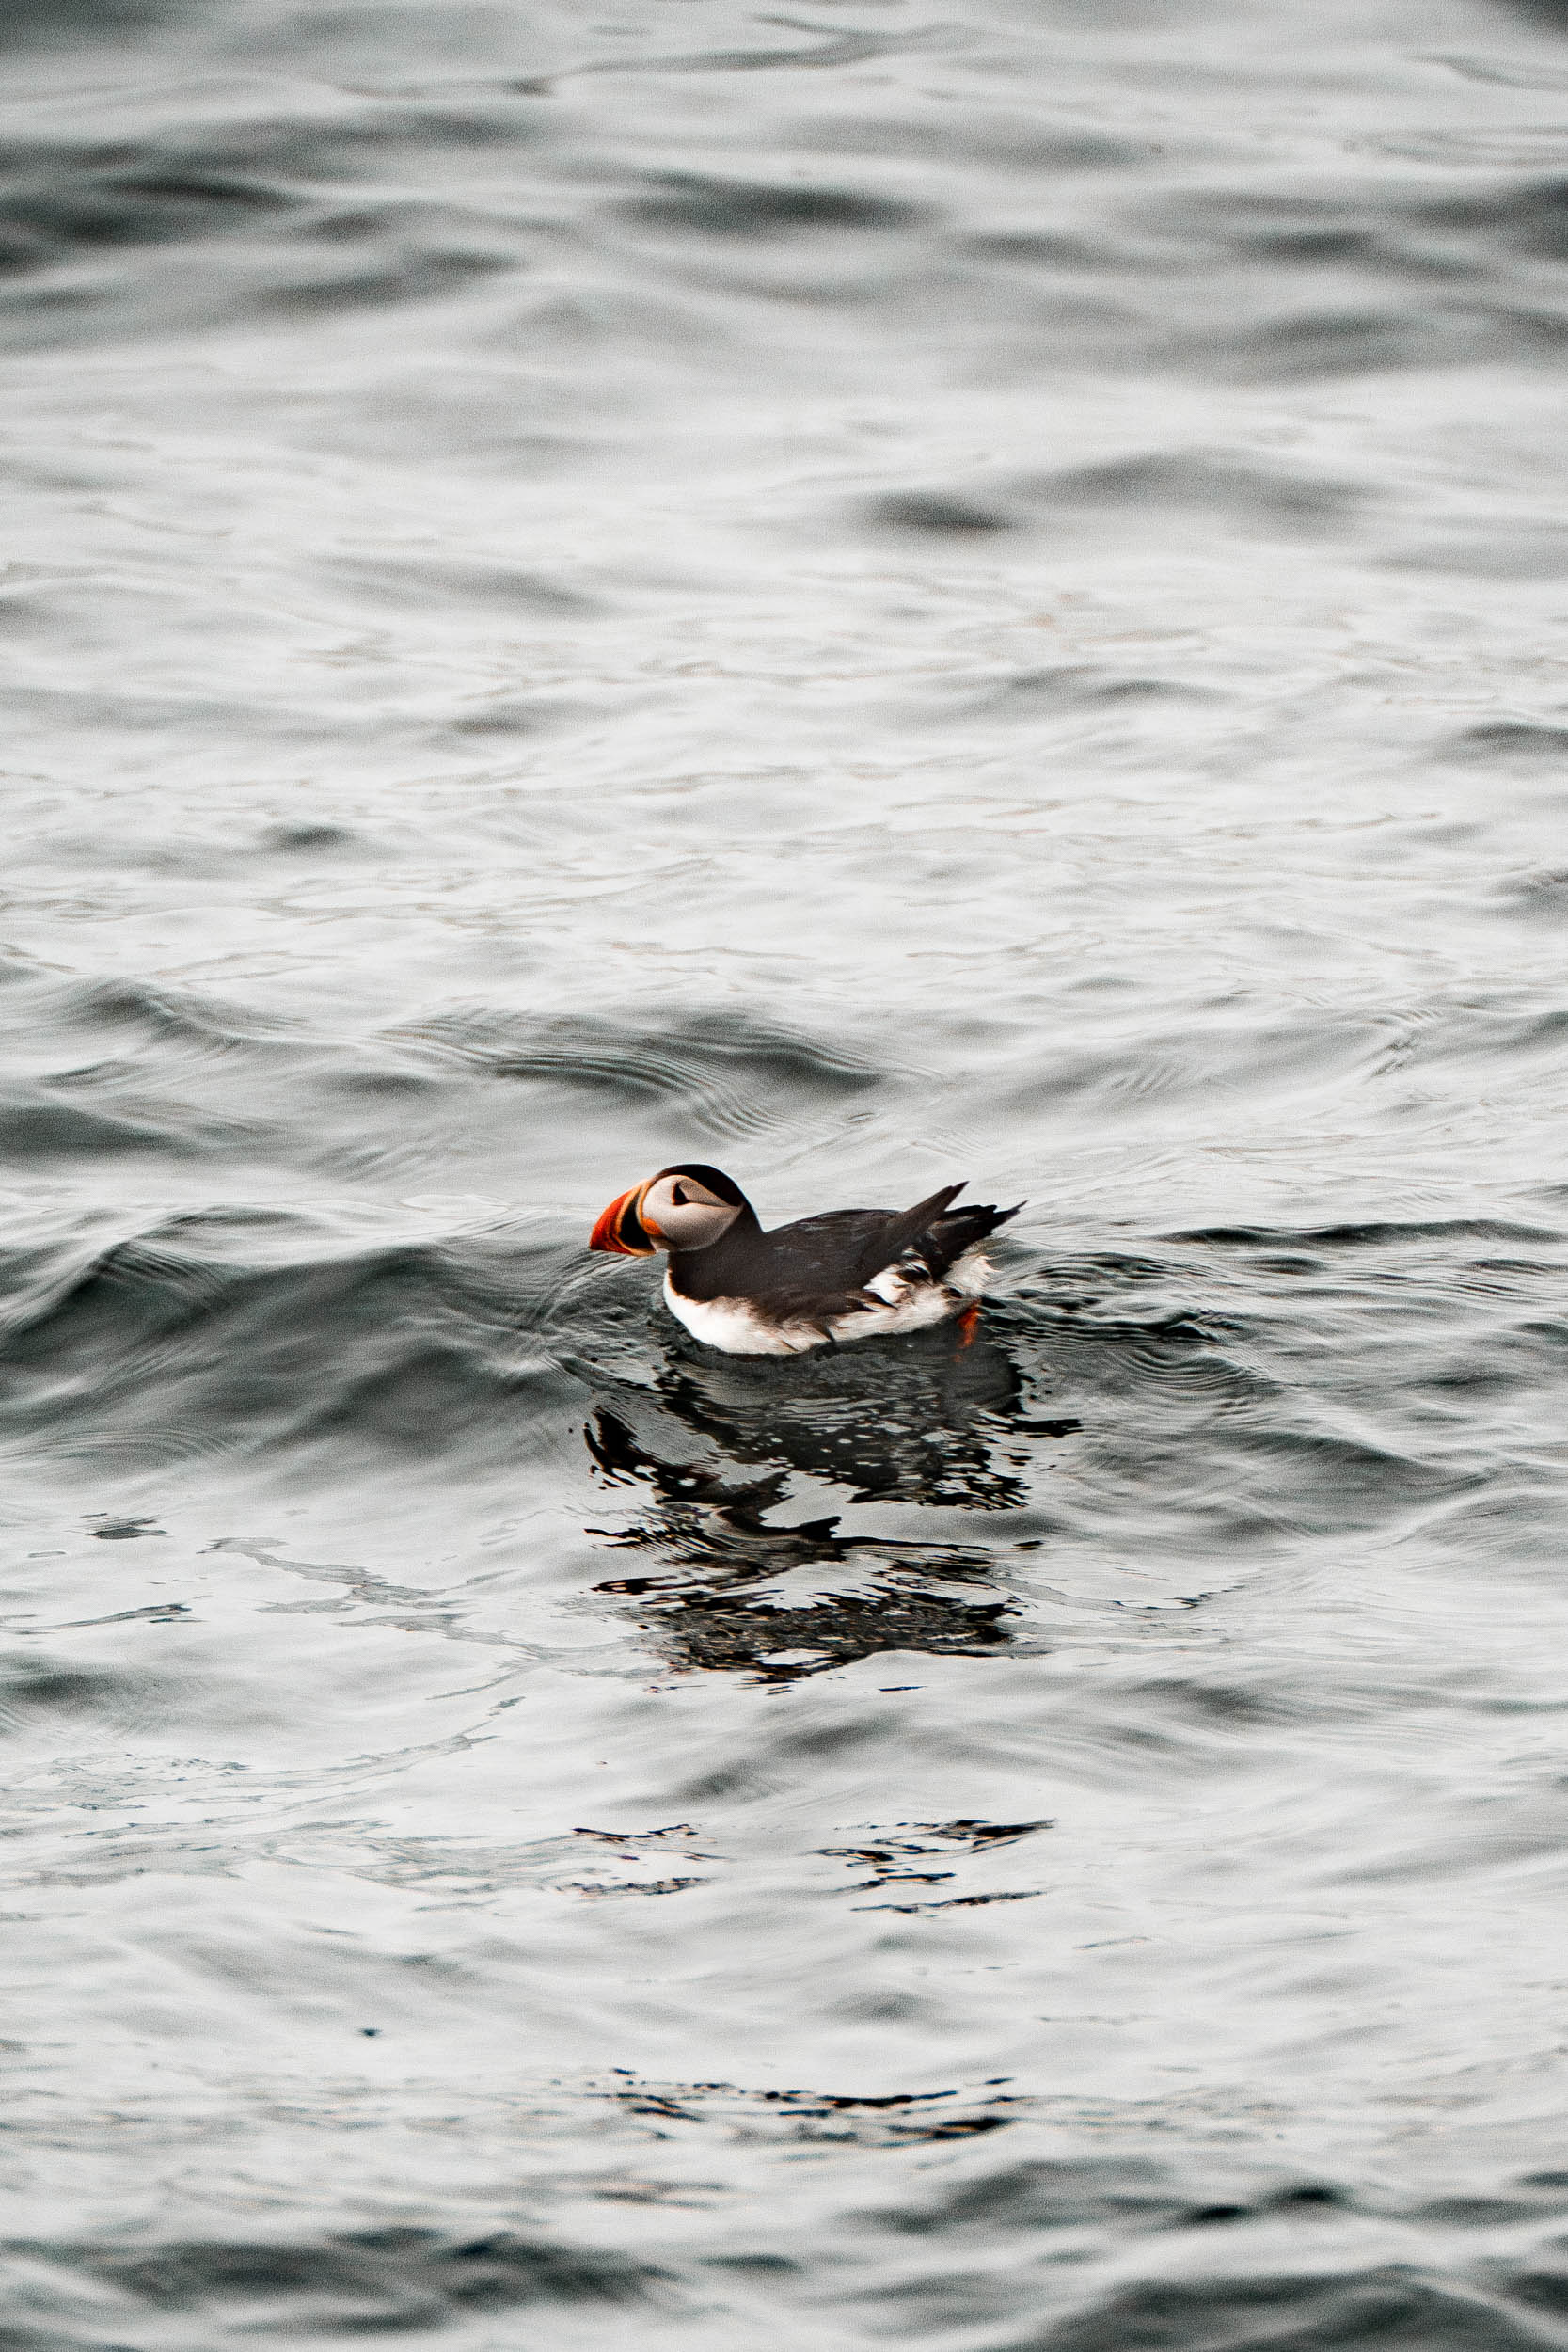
(872, 597)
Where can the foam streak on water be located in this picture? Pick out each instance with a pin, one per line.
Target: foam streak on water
(870, 597)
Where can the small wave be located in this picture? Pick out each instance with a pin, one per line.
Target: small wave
(409, 584)
(1135, 492)
(473, 1870)
(1371, 1235)
(1282, 2262)
(1543, 896)
(941, 513)
(309, 839)
(837, 47)
(745, 208)
(1199, 482)
(1525, 551)
(36, 1692)
(47, 22)
(1067, 689)
(166, 1346)
(133, 1003)
(1300, 1053)
(731, 1075)
(1302, 2305)
(1530, 215)
(392, 2278)
(1365, 276)
(1206, 1057)
(271, 190)
(35, 1128)
(176, 1073)
(1533, 742)
(424, 275)
(56, 199)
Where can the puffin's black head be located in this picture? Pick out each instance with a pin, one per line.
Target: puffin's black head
(712, 1180)
(687, 1207)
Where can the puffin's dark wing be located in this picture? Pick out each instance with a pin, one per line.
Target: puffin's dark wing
(818, 1258)
(848, 1246)
(828, 1254)
(902, 1230)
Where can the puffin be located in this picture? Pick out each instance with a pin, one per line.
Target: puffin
(852, 1274)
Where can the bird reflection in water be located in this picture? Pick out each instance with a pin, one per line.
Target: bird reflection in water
(931, 1420)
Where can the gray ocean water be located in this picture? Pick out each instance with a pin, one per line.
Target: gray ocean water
(871, 595)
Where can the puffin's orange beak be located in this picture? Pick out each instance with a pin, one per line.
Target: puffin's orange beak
(621, 1230)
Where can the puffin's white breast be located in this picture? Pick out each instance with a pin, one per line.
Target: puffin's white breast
(738, 1328)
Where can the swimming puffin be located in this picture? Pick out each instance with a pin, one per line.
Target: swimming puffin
(851, 1275)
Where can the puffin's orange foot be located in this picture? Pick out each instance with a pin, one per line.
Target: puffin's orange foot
(969, 1323)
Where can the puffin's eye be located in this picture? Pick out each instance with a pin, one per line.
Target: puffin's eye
(678, 1196)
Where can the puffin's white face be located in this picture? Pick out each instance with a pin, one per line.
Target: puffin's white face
(679, 1212)
(680, 1208)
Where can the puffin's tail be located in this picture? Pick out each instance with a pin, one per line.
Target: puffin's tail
(955, 1230)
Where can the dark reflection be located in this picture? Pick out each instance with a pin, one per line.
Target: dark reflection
(735, 1585)
(921, 1422)
(888, 2119)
